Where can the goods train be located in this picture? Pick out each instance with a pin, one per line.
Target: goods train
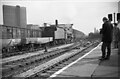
(15, 38)
(16, 35)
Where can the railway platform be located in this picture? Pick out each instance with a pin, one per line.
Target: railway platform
(90, 67)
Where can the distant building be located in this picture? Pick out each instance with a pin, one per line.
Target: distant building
(95, 30)
(33, 26)
(14, 16)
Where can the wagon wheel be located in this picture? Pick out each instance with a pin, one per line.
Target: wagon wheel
(4, 50)
(31, 47)
(19, 48)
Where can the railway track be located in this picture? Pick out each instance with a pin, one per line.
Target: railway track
(50, 67)
(9, 54)
(5, 55)
(30, 55)
(15, 67)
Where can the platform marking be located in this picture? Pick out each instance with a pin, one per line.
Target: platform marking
(61, 70)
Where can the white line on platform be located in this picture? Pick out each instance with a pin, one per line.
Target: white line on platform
(61, 70)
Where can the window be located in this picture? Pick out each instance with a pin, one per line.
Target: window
(40, 33)
(4, 32)
(28, 33)
(22, 33)
(14, 32)
(18, 33)
(9, 33)
(31, 33)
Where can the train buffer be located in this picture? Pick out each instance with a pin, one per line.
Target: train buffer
(90, 67)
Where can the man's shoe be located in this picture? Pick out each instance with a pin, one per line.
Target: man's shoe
(102, 59)
(107, 58)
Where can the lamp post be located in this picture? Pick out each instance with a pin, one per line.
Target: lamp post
(114, 18)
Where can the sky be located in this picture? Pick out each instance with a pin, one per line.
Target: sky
(85, 15)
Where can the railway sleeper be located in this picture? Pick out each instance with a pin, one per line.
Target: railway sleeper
(32, 62)
(50, 55)
(12, 68)
(21, 65)
(5, 70)
(37, 75)
(44, 57)
(26, 63)
(36, 60)
(40, 59)
(51, 67)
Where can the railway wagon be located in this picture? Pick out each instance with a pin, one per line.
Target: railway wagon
(14, 38)
(14, 18)
(35, 37)
(10, 37)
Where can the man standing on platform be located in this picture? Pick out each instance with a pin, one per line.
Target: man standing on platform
(106, 32)
(118, 35)
(115, 35)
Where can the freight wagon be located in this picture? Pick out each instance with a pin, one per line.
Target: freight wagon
(14, 38)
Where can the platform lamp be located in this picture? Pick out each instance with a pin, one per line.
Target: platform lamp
(110, 17)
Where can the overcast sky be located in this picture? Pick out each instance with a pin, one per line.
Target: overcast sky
(84, 14)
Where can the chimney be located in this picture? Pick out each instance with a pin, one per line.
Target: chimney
(56, 22)
(45, 24)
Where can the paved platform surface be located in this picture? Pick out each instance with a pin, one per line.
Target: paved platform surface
(17, 57)
(90, 67)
